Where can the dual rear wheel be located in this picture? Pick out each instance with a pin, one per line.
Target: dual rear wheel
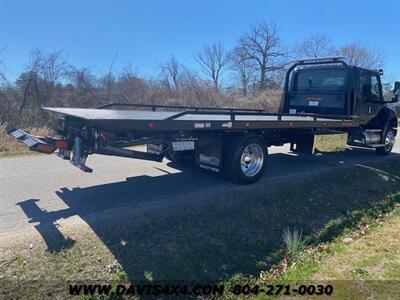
(245, 159)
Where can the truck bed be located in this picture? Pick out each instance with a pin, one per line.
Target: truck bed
(120, 120)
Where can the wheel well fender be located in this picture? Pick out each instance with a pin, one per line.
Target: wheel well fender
(386, 117)
(389, 124)
(393, 123)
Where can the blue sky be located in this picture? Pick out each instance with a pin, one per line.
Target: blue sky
(147, 32)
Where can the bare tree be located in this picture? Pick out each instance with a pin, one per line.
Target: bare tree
(212, 60)
(170, 71)
(128, 72)
(39, 80)
(261, 44)
(3, 78)
(359, 55)
(5, 103)
(244, 69)
(83, 92)
(130, 87)
(317, 45)
(109, 79)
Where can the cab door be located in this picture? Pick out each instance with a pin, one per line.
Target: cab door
(369, 95)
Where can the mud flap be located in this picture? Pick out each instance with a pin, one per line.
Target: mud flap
(209, 152)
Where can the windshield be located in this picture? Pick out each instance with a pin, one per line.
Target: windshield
(307, 80)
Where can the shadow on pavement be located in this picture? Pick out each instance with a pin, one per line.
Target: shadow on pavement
(47, 227)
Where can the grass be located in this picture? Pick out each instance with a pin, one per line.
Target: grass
(295, 243)
(19, 259)
(374, 258)
(238, 238)
(9, 146)
(368, 267)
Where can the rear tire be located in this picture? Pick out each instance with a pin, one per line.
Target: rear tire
(246, 159)
(389, 140)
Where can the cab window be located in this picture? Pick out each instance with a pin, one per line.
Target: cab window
(315, 79)
(375, 86)
(370, 87)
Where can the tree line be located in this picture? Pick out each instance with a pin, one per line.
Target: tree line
(248, 75)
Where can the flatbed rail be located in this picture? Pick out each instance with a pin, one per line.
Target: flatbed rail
(129, 120)
(154, 107)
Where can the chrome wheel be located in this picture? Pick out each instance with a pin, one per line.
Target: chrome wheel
(389, 140)
(252, 159)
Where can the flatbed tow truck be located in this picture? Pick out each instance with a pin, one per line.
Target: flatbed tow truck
(326, 106)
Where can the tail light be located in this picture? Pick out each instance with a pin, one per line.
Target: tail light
(62, 144)
(43, 148)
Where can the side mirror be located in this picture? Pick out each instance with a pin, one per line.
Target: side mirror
(396, 92)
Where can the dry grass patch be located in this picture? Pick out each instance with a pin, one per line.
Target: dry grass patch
(375, 256)
(269, 101)
(369, 267)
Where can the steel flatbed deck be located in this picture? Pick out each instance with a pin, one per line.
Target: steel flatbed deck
(200, 119)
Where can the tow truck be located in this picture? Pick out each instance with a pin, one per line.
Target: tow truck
(326, 106)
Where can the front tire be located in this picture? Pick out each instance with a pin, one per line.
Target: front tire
(389, 140)
(246, 159)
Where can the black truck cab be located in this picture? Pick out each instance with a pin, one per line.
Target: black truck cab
(330, 86)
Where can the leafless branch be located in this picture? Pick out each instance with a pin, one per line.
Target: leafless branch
(212, 60)
(317, 45)
(261, 44)
(359, 55)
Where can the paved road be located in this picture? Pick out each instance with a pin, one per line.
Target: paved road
(61, 190)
